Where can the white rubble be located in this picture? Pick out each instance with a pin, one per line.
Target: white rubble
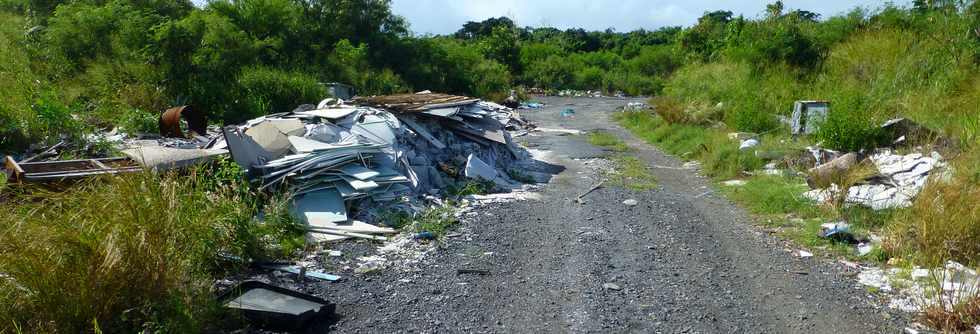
(916, 289)
(902, 178)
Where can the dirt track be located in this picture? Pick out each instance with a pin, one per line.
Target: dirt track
(686, 261)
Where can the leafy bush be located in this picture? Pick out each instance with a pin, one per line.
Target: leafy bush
(772, 42)
(139, 121)
(848, 127)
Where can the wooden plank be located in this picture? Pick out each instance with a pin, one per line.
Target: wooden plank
(347, 234)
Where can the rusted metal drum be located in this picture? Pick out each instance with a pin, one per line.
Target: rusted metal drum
(170, 122)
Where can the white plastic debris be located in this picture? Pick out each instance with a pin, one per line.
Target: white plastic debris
(864, 248)
(748, 143)
(734, 183)
(631, 202)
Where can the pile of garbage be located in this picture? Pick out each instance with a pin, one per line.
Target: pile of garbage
(343, 162)
(898, 180)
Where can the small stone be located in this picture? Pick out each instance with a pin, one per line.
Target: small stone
(631, 202)
(612, 286)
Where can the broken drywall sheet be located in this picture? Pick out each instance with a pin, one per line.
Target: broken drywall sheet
(320, 208)
(164, 158)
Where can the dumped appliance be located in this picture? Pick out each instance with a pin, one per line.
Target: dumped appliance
(275, 308)
(808, 115)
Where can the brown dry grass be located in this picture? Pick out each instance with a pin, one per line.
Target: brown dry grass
(944, 222)
(963, 318)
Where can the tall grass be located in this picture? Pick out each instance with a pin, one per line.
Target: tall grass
(129, 253)
(944, 224)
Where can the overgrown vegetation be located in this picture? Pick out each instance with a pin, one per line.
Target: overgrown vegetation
(436, 220)
(608, 141)
(126, 254)
(632, 173)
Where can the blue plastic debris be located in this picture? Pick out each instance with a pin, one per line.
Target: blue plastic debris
(567, 112)
(839, 231)
(424, 235)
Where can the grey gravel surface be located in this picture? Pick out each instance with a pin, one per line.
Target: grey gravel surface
(683, 260)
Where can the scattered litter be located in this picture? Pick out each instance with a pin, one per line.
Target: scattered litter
(839, 231)
(748, 143)
(568, 112)
(635, 106)
(424, 235)
(911, 292)
(740, 136)
(472, 271)
(734, 183)
(864, 248)
(523, 194)
(302, 272)
(631, 202)
(275, 308)
(903, 131)
(559, 131)
(612, 286)
(804, 254)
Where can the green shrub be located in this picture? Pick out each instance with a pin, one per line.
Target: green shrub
(773, 195)
(269, 90)
(849, 127)
(751, 115)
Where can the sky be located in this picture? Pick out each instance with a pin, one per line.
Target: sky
(447, 16)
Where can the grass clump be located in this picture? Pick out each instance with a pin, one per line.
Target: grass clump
(774, 195)
(608, 141)
(632, 173)
(470, 187)
(436, 220)
(127, 253)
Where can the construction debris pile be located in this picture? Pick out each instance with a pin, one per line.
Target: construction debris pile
(343, 161)
(899, 180)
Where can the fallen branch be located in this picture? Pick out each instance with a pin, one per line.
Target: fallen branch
(594, 188)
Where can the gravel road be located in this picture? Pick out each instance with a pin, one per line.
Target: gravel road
(682, 261)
